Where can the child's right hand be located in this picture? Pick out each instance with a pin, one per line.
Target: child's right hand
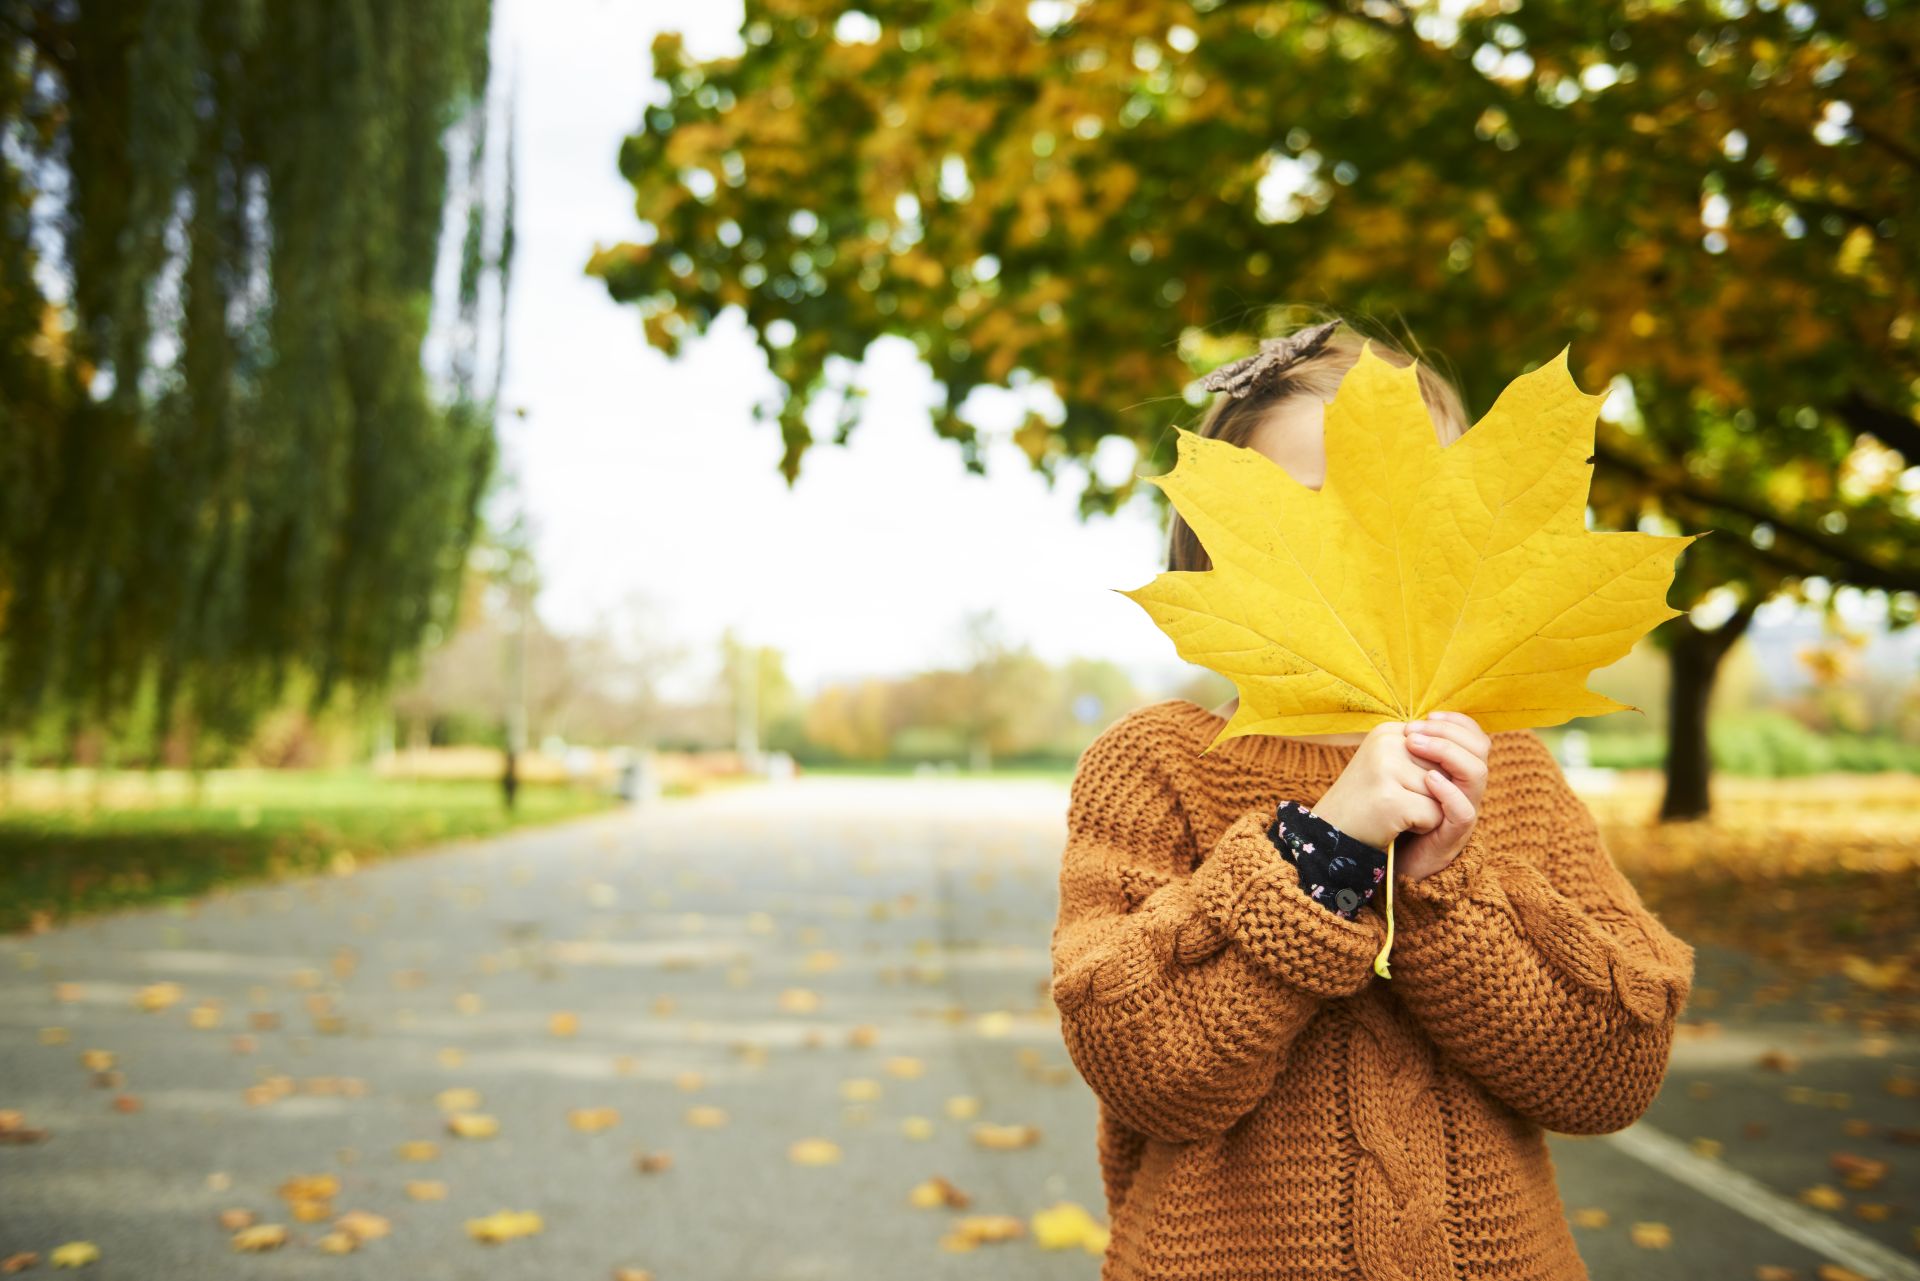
(1382, 792)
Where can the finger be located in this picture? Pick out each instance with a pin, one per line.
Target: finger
(1422, 814)
(1453, 731)
(1453, 801)
(1478, 735)
(1460, 762)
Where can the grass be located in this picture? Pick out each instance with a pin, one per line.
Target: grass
(74, 843)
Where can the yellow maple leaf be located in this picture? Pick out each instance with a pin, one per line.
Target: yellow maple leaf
(1418, 577)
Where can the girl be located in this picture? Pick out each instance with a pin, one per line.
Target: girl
(1269, 1108)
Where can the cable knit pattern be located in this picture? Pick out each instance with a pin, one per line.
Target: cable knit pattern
(1271, 1110)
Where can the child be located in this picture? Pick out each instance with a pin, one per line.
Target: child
(1269, 1108)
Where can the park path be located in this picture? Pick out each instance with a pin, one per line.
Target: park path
(718, 979)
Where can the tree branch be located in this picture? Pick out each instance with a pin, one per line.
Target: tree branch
(1854, 568)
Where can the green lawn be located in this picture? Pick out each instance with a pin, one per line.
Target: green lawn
(76, 843)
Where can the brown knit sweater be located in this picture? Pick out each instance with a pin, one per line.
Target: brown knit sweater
(1271, 1109)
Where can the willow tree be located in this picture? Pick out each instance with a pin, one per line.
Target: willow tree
(1710, 201)
(223, 458)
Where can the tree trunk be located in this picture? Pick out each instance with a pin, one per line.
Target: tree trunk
(1693, 663)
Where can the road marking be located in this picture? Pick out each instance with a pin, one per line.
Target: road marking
(1790, 1219)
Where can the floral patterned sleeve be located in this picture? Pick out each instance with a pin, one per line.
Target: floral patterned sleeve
(1335, 869)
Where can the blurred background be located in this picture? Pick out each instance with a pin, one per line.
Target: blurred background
(725, 429)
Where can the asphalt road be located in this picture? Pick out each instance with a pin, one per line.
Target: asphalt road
(862, 962)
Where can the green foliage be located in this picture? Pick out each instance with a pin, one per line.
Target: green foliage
(221, 462)
(1704, 198)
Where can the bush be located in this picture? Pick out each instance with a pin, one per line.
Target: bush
(1758, 744)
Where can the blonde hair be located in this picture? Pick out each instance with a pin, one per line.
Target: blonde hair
(1233, 419)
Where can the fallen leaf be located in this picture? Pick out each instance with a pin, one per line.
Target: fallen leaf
(363, 1225)
(473, 1125)
(980, 1229)
(235, 1219)
(337, 1242)
(652, 1162)
(916, 1127)
(1822, 1197)
(1065, 1226)
(1652, 1236)
(14, 1128)
(859, 1089)
(426, 1190)
(1860, 1173)
(564, 1023)
(309, 1187)
(1777, 1061)
(310, 1211)
(937, 1193)
(1591, 1217)
(986, 1134)
(504, 1225)
(904, 1067)
(707, 1117)
(799, 1000)
(418, 1150)
(74, 1254)
(458, 1098)
(963, 1107)
(259, 1238)
(632, 1274)
(1834, 1272)
(159, 996)
(593, 1120)
(814, 1152)
(19, 1262)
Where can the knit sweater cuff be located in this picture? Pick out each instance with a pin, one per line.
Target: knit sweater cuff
(1252, 895)
(1433, 897)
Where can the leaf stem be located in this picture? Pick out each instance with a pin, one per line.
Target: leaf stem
(1380, 961)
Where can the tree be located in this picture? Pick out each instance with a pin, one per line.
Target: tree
(222, 461)
(1707, 199)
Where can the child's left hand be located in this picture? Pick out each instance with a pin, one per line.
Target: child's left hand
(1458, 746)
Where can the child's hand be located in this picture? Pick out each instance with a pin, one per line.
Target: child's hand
(1455, 743)
(1381, 792)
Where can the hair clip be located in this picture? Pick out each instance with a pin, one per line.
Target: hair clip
(1245, 376)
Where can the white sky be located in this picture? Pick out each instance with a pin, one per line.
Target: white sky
(644, 475)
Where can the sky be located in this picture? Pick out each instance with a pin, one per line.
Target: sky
(648, 478)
